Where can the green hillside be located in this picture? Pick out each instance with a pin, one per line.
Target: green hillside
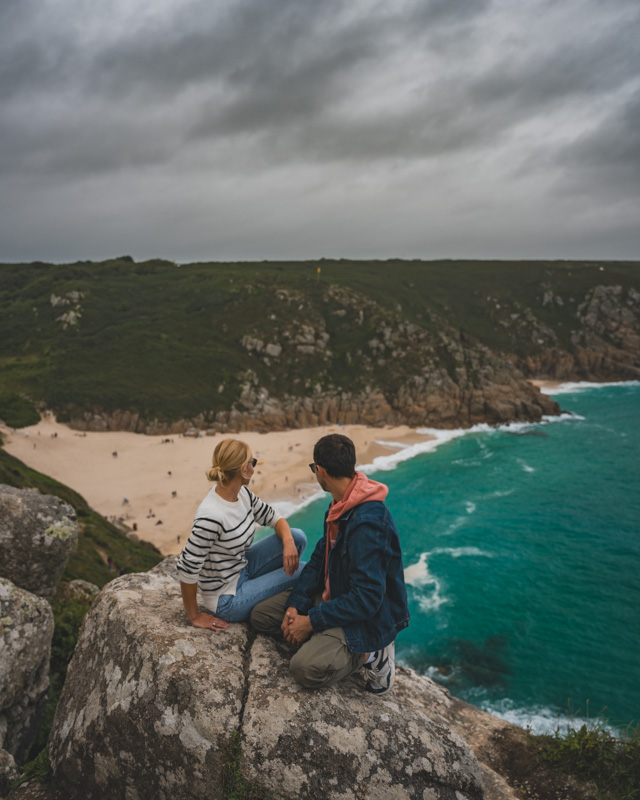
(166, 341)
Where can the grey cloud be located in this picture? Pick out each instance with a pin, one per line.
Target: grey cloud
(607, 159)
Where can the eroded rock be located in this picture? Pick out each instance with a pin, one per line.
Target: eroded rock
(38, 533)
(26, 629)
(150, 703)
(150, 707)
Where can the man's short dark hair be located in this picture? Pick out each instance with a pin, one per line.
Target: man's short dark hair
(337, 454)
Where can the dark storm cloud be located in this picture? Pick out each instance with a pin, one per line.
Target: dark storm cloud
(608, 156)
(198, 94)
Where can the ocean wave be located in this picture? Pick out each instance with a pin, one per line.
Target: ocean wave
(455, 525)
(570, 386)
(537, 719)
(457, 552)
(470, 507)
(287, 508)
(418, 576)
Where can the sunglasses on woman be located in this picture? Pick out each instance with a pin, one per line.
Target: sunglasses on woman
(252, 462)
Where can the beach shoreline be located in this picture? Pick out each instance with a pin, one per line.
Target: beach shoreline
(155, 483)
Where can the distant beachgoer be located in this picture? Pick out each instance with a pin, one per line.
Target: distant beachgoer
(178, 538)
(125, 501)
(169, 473)
(110, 562)
(135, 526)
(159, 522)
(174, 494)
(221, 558)
(115, 454)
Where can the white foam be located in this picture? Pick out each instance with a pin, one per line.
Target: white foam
(289, 507)
(417, 574)
(455, 525)
(433, 602)
(538, 719)
(471, 507)
(526, 467)
(499, 493)
(457, 552)
(570, 386)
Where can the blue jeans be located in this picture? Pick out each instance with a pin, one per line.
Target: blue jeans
(262, 577)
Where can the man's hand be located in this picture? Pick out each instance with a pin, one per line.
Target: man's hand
(289, 615)
(298, 630)
(209, 621)
(290, 556)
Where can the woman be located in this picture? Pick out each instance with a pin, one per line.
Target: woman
(219, 557)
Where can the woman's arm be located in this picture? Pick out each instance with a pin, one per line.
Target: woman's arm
(198, 620)
(290, 558)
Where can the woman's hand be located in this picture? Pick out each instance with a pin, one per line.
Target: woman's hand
(290, 558)
(209, 621)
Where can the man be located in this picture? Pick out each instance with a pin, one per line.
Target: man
(350, 601)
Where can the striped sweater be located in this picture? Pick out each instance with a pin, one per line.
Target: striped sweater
(222, 533)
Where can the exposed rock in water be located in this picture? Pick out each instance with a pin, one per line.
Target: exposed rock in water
(151, 705)
(26, 628)
(38, 533)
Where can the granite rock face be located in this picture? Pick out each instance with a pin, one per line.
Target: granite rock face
(344, 744)
(26, 628)
(151, 706)
(38, 533)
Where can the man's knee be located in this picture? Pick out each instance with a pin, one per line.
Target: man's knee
(261, 618)
(309, 674)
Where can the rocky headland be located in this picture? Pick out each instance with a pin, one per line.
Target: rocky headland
(153, 348)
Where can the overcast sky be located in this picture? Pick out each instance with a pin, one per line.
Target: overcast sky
(265, 129)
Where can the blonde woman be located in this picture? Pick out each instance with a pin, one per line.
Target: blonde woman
(234, 574)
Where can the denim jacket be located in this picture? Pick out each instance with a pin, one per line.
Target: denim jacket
(366, 580)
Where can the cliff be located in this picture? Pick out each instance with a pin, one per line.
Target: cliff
(158, 348)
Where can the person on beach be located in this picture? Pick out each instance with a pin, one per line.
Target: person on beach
(350, 602)
(220, 558)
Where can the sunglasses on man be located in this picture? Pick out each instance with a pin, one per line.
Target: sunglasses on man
(313, 467)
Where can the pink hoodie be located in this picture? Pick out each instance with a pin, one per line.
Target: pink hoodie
(360, 490)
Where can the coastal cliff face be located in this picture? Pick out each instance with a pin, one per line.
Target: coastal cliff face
(153, 348)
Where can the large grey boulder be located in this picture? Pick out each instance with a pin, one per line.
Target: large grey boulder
(150, 704)
(38, 533)
(26, 629)
(153, 707)
(345, 744)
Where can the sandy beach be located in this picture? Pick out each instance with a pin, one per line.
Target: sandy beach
(157, 482)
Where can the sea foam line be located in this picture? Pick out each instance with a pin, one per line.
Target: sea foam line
(404, 452)
(570, 386)
(538, 719)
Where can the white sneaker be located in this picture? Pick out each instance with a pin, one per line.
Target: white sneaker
(380, 674)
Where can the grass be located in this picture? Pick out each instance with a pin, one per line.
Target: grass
(165, 341)
(234, 785)
(594, 754)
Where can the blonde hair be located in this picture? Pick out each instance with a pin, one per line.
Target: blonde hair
(228, 459)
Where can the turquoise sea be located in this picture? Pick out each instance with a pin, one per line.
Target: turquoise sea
(522, 559)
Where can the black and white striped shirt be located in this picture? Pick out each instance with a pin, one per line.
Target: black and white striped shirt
(222, 533)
